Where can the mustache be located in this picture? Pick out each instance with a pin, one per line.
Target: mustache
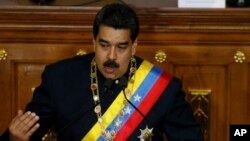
(111, 64)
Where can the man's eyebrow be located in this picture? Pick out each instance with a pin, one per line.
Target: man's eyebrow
(124, 43)
(121, 43)
(102, 40)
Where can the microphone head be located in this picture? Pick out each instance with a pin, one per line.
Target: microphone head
(123, 82)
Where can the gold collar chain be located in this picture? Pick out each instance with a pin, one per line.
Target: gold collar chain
(109, 135)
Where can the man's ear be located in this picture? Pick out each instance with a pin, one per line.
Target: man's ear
(134, 46)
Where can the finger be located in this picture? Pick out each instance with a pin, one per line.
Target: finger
(27, 121)
(14, 131)
(21, 118)
(30, 122)
(33, 129)
(16, 120)
(25, 116)
(19, 114)
(29, 118)
(19, 124)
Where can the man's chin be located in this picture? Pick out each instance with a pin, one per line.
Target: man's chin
(110, 76)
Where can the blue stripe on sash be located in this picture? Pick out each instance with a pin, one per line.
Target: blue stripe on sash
(142, 91)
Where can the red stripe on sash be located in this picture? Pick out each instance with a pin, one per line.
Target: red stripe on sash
(144, 107)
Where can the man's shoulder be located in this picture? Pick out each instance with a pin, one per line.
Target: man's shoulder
(73, 61)
(70, 65)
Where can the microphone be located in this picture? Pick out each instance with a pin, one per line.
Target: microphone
(107, 86)
(123, 83)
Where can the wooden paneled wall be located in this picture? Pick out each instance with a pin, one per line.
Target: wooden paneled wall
(209, 49)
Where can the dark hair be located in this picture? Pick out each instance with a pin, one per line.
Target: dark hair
(118, 16)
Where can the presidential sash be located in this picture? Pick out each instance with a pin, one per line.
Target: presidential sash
(148, 84)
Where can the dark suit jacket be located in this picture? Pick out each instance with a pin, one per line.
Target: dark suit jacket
(64, 101)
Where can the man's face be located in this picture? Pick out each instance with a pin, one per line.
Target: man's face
(113, 50)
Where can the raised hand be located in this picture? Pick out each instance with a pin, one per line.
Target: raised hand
(23, 126)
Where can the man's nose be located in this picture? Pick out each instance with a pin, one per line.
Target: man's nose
(112, 53)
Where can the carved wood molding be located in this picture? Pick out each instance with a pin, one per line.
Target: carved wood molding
(74, 24)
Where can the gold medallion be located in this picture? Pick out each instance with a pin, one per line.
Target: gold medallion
(97, 109)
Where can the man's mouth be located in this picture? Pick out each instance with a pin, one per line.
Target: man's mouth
(110, 66)
(109, 70)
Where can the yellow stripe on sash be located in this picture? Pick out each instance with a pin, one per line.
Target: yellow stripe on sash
(115, 107)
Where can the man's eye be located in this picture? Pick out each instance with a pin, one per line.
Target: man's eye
(122, 46)
(104, 45)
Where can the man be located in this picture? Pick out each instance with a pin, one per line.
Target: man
(109, 94)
